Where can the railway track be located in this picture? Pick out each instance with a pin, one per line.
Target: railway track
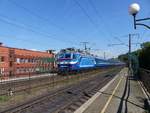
(66, 99)
(25, 85)
(18, 86)
(86, 94)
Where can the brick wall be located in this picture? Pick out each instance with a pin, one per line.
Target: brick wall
(4, 61)
(19, 62)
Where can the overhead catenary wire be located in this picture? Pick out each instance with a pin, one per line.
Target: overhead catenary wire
(89, 17)
(33, 42)
(105, 25)
(23, 26)
(47, 20)
(85, 12)
(117, 38)
(130, 35)
(27, 41)
(126, 36)
(42, 18)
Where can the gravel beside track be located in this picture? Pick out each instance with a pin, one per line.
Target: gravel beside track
(27, 84)
(66, 99)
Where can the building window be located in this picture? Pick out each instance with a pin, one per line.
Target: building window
(22, 70)
(10, 63)
(26, 60)
(21, 60)
(29, 60)
(1, 71)
(18, 70)
(2, 58)
(18, 60)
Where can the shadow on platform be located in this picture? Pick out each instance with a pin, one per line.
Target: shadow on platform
(124, 99)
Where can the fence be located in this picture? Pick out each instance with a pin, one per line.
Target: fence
(145, 78)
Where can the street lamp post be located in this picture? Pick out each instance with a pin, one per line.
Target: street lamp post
(133, 10)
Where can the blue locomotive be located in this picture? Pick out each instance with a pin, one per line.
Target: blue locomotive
(76, 61)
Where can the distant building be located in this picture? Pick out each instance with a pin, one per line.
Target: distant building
(19, 62)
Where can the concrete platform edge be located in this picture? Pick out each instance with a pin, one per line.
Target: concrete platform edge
(145, 92)
(82, 108)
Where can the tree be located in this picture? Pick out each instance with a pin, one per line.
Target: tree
(144, 56)
(145, 45)
(123, 57)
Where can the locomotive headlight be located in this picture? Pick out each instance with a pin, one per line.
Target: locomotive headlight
(73, 62)
(67, 62)
(64, 62)
(61, 63)
(58, 62)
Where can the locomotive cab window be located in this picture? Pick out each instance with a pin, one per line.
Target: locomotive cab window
(61, 56)
(68, 56)
(75, 56)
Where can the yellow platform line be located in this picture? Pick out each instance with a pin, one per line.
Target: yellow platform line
(110, 98)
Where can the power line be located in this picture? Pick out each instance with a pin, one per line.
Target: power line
(29, 26)
(87, 15)
(116, 44)
(100, 17)
(129, 44)
(45, 19)
(41, 17)
(30, 29)
(103, 22)
(122, 43)
(85, 45)
(34, 42)
(119, 40)
(84, 11)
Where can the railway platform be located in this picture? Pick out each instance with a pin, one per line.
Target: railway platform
(123, 94)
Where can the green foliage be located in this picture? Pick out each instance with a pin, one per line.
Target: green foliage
(145, 45)
(142, 54)
(4, 98)
(123, 58)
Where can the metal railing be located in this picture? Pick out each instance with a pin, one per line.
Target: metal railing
(145, 78)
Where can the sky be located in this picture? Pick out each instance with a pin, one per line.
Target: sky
(57, 24)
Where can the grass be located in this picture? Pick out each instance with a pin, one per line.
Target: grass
(4, 98)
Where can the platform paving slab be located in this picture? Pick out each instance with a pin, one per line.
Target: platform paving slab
(124, 95)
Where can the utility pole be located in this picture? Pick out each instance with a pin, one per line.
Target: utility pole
(104, 55)
(130, 36)
(129, 54)
(85, 45)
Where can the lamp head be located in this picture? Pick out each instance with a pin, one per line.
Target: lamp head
(134, 9)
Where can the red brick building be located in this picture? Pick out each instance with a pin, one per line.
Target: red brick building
(19, 62)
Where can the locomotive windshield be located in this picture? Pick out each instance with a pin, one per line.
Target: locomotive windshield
(68, 55)
(65, 56)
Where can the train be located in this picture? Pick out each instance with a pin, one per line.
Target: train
(71, 60)
(17, 62)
